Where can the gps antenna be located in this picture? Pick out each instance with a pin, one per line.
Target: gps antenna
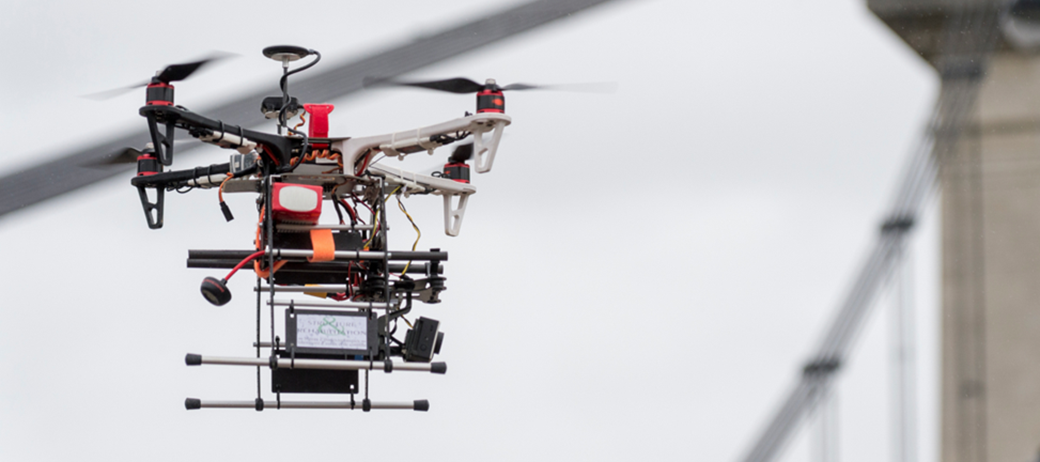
(216, 290)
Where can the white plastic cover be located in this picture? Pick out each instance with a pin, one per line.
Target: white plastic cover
(298, 199)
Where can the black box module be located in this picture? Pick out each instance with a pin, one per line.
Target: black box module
(327, 333)
(313, 381)
(423, 341)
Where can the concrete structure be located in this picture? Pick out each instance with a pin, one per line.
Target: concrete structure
(991, 234)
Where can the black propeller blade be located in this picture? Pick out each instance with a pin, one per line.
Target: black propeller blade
(462, 153)
(126, 156)
(109, 94)
(588, 87)
(129, 155)
(172, 73)
(456, 85)
(175, 72)
(521, 86)
(463, 85)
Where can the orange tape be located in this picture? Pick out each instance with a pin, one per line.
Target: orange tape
(324, 245)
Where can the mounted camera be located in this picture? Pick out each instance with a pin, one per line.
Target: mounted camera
(423, 341)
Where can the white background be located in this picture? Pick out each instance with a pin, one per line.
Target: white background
(639, 278)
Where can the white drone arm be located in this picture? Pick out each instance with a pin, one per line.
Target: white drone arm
(400, 144)
(411, 141)
(412, 182)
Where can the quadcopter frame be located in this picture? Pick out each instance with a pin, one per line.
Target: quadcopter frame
(278, 150)
(293, 175)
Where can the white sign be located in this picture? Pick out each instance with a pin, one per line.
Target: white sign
(331, 331)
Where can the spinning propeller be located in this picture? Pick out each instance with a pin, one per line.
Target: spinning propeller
(126, 156)
(171, 73)
(462, 85)
(461, 154)
(489, 94)
(455, 167)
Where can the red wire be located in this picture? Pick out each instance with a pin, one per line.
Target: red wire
(364, 166)
(350, 209)
(243, 263)
(356, 200)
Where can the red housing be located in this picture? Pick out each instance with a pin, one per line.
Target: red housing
(159, 94)
(491, 101)
(319, 124)
(296, 203)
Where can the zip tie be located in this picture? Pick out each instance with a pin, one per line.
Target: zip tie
(388, 149)
(423, 141)
(414, 182)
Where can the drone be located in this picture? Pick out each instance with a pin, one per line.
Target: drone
(342, 289)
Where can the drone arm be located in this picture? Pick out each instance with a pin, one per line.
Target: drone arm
(177, 177)
(426, 139)
(416, 182)
(153, 209)
(413, 182)
(276, 148)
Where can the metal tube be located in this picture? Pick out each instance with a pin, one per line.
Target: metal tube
(335, 227)
(323, 364)
(269, 245)
(318, 288)
(228, 404)
(212, 263)
(229, 361)
(332, 364)
(357, 405)
(364, 255)
(341, 305)
(345, 405)
(397, 268)
(416, 268)
(400, 255)
(220, 254)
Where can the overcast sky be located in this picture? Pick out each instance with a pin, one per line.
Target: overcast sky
(641, 275)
